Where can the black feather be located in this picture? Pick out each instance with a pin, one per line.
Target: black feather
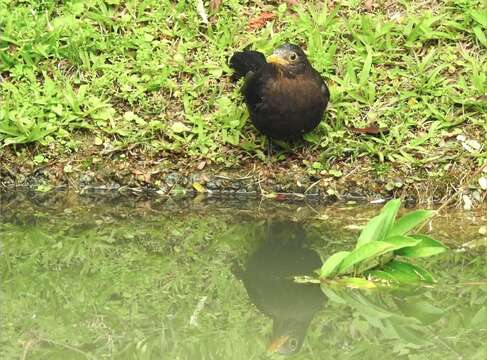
(244, 62)
(287, 97)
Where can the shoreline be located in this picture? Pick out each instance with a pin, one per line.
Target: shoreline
(267, 181)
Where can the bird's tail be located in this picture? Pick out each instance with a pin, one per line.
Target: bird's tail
(244, 62)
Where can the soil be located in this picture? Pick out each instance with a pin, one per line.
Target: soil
(133, 172)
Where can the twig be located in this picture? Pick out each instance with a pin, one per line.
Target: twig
(193, 321)
(311, 186)
(200, 8)
(233, 179)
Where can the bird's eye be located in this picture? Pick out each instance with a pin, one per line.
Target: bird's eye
(293, 343)
(293, 57)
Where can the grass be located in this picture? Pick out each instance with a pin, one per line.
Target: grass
(148, 75)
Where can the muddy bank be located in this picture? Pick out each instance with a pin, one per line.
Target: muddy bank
(280, 181)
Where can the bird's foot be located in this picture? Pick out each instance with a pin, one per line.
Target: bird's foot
(276, 150)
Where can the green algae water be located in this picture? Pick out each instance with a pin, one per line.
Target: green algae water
(97, 277)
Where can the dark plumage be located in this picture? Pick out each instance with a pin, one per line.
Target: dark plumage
(285, 96)
(268, 278)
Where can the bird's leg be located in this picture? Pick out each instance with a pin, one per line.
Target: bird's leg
(305, 148)
(269, 149)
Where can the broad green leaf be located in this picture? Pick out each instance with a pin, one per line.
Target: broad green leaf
(371, 231)
(368, 251)
(391, 277)
(422, 310)
(410, 221)
(411, 335)
(407, 273)
(426, 246)
(390, 211)
(375, 262)
(381, 275)
(331, 264)
(331, 294)
(377, 228)
(374, 249)
(397, 242)
(400, 241)
(368, 304)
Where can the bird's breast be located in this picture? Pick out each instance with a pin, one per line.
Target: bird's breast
(284, 107)
(295, 94)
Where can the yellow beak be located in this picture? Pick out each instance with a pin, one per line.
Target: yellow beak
(275, 59)
(277, 343)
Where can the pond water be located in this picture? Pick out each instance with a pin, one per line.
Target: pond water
(107, 277)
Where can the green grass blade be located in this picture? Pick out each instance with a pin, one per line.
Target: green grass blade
(480, 34)
(365, 73)
(479, 16)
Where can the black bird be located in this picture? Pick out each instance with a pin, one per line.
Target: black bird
(268, 278)
(285, 96)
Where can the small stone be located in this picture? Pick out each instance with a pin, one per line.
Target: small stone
(235, 185)
(483, 230)
(331, 192)
(212, 185)
(398, 183)
(172, 179)
(85, 178)
(467, 202)
(201, 165)
(476, 196)
(179, 127)
(68, 168)
(483, 183)
(474, 144)
(471, 145)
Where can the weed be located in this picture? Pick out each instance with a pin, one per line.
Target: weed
(127, 72)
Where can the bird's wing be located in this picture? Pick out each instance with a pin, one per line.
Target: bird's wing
(325, 92)
(256, 85)
(245, 62)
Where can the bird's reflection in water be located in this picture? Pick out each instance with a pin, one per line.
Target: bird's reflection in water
(268, 278)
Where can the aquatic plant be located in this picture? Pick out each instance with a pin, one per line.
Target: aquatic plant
(383, 240)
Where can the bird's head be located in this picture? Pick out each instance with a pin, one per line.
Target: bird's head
(288, 336)
(290, 58)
